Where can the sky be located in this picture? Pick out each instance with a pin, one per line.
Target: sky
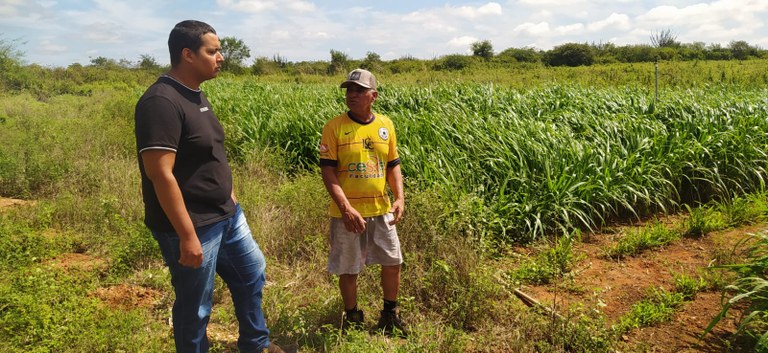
(63, 32)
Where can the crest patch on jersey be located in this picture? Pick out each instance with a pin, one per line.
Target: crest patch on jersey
(384, 133)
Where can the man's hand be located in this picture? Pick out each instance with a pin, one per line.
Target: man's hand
(395, 181)
(191, 252)
(398, 207)
(353, 221)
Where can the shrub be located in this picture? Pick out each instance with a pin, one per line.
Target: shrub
(454, 62)
(570, 54)
(527, 55)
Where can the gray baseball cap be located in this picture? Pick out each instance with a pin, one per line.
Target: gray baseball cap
(360, 77)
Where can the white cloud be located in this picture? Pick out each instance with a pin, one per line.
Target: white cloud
(301, 6)
(541, 15)
(318, 35)
(417, 16)
(617, 21)
(534, 29)
(258, 6)
(669, 15)
(49, 48)
(10, 7)
(489, 9)
(572, 29)
(19, 13)
(702, 13)
(8, 10)
(714, 22)
(247, 5)
(103, 32)
(563, 3)
(547, 3)
(449, 14)
(462, 42)
(439, 27)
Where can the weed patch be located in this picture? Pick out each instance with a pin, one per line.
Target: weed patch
(550, 263)
(650, 236)
(657, 309)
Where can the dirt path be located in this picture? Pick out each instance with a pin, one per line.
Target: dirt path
(7, 203)
(612, 286)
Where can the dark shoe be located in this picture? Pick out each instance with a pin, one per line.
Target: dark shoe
(353, 320)
(391, 325)
(273, 348)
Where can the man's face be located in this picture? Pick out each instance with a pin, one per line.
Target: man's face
(360, 98)
(209, 58)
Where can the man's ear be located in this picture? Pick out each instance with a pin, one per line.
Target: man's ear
(186, 55)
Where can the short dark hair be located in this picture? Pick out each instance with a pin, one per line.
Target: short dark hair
(187, 34)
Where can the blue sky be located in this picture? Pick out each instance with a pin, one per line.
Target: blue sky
(59, 33)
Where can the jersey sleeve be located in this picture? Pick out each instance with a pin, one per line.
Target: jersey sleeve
(158, 125)
(329, 146)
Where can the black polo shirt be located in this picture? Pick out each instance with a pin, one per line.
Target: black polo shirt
(170, 116)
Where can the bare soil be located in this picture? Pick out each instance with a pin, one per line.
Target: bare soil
(78, 262)
(126, 296)
(613, 286)
(6, 203)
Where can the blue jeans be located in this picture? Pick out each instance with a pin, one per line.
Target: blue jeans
(230, 251)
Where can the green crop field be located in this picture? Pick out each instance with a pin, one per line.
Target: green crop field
(545, 160)
(507, 170)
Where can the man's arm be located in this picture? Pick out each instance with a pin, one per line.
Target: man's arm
(158, 165)
(353, 221)
(395, 181)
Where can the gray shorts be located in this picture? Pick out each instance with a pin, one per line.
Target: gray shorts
(378, 244)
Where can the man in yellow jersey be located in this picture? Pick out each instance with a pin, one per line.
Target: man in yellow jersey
(358, 158)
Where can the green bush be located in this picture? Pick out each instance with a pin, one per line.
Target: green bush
(455, 62)
(405, 65)
(525, 55)
(570, 54)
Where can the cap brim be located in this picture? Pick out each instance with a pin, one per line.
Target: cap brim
(346, 84)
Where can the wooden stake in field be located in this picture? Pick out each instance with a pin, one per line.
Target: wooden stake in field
(533, 303)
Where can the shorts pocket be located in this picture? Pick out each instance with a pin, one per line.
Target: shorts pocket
(388, 217)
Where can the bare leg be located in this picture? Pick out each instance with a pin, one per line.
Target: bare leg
(390, 281)
(348, 287)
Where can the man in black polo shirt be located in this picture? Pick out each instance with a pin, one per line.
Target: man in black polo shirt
(189, 203)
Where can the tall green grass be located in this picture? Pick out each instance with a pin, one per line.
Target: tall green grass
(748, 293)
(543, 160)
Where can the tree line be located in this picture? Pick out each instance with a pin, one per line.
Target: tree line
(663, 46)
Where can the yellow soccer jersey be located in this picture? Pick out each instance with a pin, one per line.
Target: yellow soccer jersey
(361, 153)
